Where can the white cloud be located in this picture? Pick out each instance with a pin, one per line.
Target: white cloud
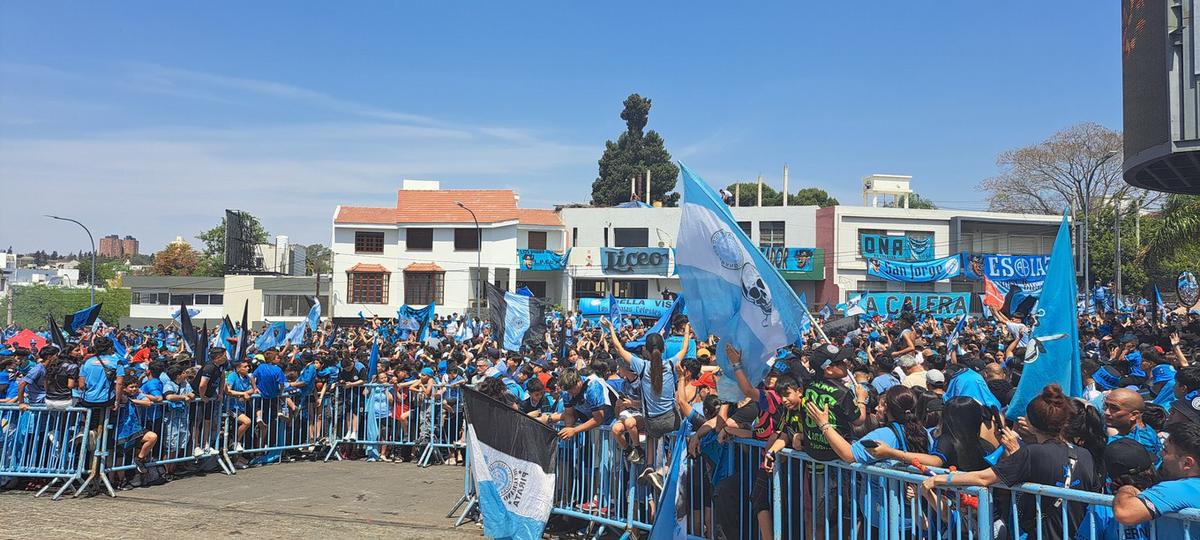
(157, 181)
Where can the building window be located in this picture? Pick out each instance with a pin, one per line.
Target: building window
(474, 281)
(770, 234)
(418, 239)
(747, 227)
(210, 299)
(287, 305)
(466, 239)
(177, 299)
(1024, 245)
(501, 279)
(537, 239)
(423, 288)
(367, 287)
(574, 236)
(634, 288)
(966, 242)
(538, 288)
(589, 288)
(871, 285)
(368, 242)
(631, 237)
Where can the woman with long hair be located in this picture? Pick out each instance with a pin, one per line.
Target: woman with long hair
(656, 379)
(960, 440)
(1046, 458)
(901, 428)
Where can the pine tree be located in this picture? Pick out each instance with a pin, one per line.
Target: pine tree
(635, 152)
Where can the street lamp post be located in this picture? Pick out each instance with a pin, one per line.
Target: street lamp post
(478, 260)
(91, 281)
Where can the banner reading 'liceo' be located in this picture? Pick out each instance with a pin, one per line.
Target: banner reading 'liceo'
(540, 259)
(1006, 267)
(622, 261)
(939, 305)
(915, 272)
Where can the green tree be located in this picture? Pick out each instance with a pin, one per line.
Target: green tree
(32, 303)
(915, 201)
(812, 196)
(634, 152)
(106, 270)
(318, 259)
(177, 259)
(212, 264)
(1102, 248)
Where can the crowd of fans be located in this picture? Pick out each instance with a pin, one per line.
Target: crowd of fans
(897, 390)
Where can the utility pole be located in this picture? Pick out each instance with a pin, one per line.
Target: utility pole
(1117, 229)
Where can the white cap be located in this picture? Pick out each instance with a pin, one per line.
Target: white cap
(934, 376)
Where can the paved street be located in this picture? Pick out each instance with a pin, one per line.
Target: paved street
(294, 500)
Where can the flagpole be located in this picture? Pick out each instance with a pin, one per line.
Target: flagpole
(478, 260)
(91, 281)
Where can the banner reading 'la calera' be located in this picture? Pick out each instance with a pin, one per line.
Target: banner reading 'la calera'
(940, 305)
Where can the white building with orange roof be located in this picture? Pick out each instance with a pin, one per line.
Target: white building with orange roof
(428, 248)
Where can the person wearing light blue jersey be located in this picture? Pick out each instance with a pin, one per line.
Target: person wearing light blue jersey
(1181, 490)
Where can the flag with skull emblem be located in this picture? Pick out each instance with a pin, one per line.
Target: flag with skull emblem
(733, 292)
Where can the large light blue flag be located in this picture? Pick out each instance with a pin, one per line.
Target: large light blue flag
(273, 335)
(1052, 355)
(178, 314)
(670, 522)
(296, 336)
(733, 292)
(314, 316)
(614, 311)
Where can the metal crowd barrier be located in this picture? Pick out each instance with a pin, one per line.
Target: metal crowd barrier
(265, 428)
(806, 498)
(382, 419)
(44, 443)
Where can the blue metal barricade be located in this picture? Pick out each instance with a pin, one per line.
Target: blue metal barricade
(40, 442)
(1082, 514)
(174, 431)
(259, 430)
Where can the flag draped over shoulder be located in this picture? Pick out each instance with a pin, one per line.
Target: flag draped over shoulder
(512, 462)
(516, 319)
(1056, 333)
(671, 520)
(84, 317)
(733, 291)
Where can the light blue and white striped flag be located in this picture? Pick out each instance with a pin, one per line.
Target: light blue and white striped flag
(733, 292)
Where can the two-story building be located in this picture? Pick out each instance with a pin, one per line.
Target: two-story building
(435, 245)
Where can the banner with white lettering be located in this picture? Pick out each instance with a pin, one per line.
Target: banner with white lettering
(1022, 268)
(635, 307)
(627, 261)
(939, 305)
(915, 272)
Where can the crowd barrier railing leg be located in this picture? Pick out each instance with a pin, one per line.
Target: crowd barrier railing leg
(469, 498)
(98, 472)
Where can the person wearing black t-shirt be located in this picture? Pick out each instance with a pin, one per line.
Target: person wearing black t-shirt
(1046, 459)
(209, 380)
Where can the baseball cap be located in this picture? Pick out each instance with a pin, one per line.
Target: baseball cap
(706, 380)
(935, 377)
(1189, 408)
(1126, 456)
(1163, 373)
(427, 371)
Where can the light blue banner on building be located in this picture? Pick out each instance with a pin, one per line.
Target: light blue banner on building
(540, 259)
(637, 307)
(1006, 267)
(913, 246)
(915, 272)
(632, 261)
(940, 305)
(792, 259)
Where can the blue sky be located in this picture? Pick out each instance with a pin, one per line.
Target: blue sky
(149, 118)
